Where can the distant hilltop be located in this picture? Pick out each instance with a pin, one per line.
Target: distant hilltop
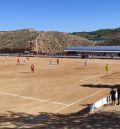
(104, 37)
(38, 41)
(41, 42)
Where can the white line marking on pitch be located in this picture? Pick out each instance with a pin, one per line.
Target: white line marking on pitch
(94, 76)
(82, 80)
(77, 101)
(82, 99)
(31, 98)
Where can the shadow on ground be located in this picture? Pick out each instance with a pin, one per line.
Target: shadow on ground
(79, 120)
(100, 86)
(115, 75)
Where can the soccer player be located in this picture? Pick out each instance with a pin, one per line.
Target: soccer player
(32, 68)
(57, 61)
(25, 61)
(18, 61)
(107, 68)
(50, 61)
(85, 63)
(27, 58)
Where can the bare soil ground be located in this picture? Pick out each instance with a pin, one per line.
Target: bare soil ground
(64, 88)
(45, 97)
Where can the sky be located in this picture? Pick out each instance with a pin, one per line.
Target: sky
(59, 15)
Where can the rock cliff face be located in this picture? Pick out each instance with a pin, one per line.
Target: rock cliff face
(43, 42)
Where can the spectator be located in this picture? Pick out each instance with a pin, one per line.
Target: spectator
(113, 97)
(118, 95)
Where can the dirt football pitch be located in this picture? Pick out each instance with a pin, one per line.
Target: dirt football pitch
(63, 88)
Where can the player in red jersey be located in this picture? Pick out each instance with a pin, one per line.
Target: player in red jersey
(32, 68)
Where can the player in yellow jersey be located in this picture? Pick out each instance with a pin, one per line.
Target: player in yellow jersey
(107, 68)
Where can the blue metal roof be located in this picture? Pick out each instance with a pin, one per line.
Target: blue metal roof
(93, 49)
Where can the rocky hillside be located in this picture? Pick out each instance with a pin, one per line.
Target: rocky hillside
(12, 41)
(47, 42)
(55, 42)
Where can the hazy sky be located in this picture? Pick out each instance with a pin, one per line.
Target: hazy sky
(59, 15)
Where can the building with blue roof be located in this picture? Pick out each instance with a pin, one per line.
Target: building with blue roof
(94, 51)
